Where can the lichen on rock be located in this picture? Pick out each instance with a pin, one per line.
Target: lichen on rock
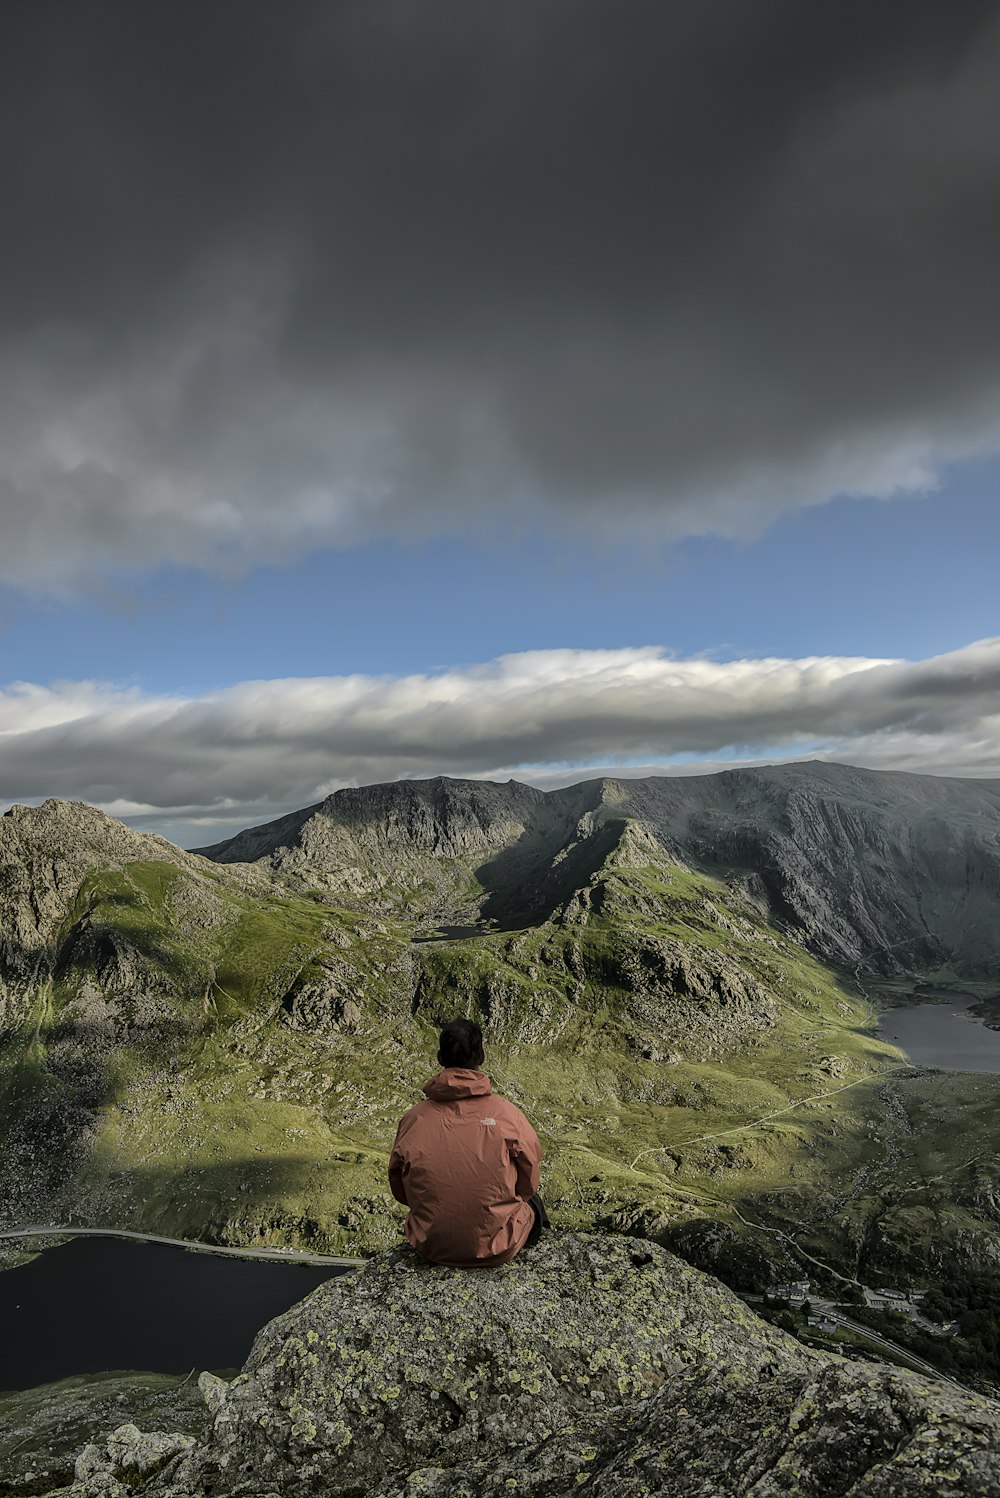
(126, 1461)
(596, 1362)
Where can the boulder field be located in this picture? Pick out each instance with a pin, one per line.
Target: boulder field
(590, 1364)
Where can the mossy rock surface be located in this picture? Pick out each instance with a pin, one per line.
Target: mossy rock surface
(594, 1362)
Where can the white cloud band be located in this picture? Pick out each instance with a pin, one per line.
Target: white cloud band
(258, 747)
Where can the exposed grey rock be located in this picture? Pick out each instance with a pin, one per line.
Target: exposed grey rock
(705, 1002)
(43, 1429)
(126, 1461)
(451, 818)
(597, 1362)
(883, 869)
(843, 1431)
(45, 854)
(371, 841)
(324, 1002)
(213, 1390)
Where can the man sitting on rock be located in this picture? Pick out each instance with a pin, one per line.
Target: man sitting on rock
(465, 1162)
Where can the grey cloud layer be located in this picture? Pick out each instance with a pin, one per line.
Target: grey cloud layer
(286, 276)
(262, 746)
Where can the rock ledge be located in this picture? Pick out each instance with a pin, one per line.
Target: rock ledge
(596, 1362)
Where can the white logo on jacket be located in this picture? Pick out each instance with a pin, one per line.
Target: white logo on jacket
(488, 1121)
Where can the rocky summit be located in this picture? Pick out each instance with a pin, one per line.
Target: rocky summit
(593, 1363)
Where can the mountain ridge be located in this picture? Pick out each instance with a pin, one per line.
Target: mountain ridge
(170, 996)
(888, 868)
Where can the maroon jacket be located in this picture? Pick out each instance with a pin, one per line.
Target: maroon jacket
(465, 1162)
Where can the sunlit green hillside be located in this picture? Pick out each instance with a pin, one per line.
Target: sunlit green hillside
(194, 1050)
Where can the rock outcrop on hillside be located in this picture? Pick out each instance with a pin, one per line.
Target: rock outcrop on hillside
(597, 1363)
(43, 1430)
(47, 853)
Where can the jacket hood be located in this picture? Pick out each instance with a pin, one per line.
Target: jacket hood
(456, 1082)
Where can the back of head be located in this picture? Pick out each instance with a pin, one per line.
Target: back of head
(461, 1044)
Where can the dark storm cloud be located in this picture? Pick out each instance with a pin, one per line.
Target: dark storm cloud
(284, 276)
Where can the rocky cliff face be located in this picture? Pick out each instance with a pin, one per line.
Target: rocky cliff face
(596, 1363)
(879, 870)
(46, 854)
(887, 871)
(446, 850)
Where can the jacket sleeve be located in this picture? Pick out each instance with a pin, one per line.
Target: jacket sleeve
(526, 1153)
(397, 1171)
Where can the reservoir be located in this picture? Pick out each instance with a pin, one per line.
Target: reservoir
(943, 1035)
(96, 1304)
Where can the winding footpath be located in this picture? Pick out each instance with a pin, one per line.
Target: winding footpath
(279, 1255)
(753, 1123)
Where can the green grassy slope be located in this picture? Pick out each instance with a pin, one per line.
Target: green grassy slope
(211, 1061)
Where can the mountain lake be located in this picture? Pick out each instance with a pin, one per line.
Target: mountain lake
(943, 1035)
(92, 1305)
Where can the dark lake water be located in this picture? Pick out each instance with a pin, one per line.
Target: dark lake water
(944, 1035)
(453, 933)
(95, 1304)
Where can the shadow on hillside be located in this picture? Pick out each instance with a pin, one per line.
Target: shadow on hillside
(61, 1068)
(229, 1202)
(47, 1116)
(97, 942)
(527, 883)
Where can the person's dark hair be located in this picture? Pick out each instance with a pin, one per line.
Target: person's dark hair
(461, 1044)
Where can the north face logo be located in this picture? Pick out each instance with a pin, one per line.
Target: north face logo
(488, 1122)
